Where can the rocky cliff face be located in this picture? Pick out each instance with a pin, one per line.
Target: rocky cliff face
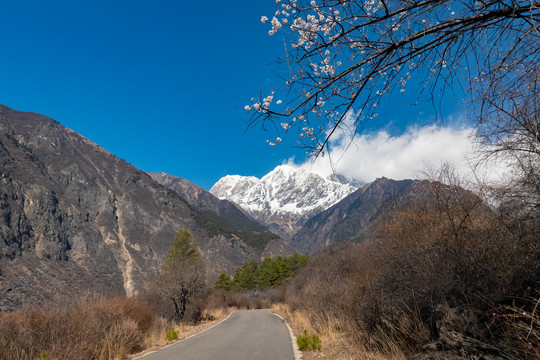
(74, 217)
(205, 201)
(231, 218)
(284, 199)
(354, 217)
(194, 194)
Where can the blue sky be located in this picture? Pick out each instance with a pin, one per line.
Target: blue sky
(159, 84)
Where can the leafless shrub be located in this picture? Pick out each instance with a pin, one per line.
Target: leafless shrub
(102, 329)
(521, 323)
(438, 266)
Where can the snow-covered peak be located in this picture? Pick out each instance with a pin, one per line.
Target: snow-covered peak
(286, 193)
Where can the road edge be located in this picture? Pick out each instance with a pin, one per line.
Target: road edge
(296, 349)
(189, 337)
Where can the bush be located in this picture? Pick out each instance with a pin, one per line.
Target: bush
(172, 334)
(438, 268)
(158, 303)
(43, 356)
(103, 328)
(308, 342)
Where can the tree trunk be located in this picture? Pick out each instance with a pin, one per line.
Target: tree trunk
(183, 304)
(176, 310)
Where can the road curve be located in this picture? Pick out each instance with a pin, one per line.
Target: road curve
(245, 335)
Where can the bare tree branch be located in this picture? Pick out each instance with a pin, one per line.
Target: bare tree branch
(380, 44)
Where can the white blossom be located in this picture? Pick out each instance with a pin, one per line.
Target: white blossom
(276, 25)
(267, 101)
(264, 19)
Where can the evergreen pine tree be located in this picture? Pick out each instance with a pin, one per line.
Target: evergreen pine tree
(223, 282)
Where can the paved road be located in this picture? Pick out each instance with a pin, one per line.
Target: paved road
(246, 335)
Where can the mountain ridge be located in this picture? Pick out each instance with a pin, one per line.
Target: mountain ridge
(74, 217)
(235, 221)
(284, 199)
(354, 218)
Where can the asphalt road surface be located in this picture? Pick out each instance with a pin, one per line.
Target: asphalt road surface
(245, 335)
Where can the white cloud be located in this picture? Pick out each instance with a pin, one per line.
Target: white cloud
(369, 156)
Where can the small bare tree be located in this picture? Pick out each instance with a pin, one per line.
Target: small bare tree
(510, 126)
(182, 276)
(346, 55)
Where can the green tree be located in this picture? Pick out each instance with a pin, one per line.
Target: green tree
(223, 282)
(182, 275)
(296, 261)
(246, 277)
(283, 270)
(182, 247)
(269, 273)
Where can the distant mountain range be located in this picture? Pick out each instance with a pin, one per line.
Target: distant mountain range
(311, 212)
(284, 199)
(74, 217)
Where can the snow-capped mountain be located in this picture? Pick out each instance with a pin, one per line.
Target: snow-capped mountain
(283, 199)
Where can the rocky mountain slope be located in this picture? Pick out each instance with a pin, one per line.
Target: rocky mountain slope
(251, 231)
(74, 217)
(355, 216)
(284, 199)
(204, 200)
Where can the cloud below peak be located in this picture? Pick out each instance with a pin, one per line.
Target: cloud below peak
(369, 156)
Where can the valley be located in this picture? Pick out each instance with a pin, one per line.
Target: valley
(80, 226)
(91, 221)
(270, 179)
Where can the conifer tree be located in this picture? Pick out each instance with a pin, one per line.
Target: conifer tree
(269, 274)
(246, 276)
(223, 282)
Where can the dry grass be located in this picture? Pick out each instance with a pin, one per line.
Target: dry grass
(336, 341)
(99, 329)
(522, 323)
(102, 329)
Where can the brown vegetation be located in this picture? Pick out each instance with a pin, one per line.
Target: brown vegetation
(182, 276)
(93, 328)
(445, 273)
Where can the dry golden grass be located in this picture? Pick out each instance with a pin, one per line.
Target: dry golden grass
(156, 336)
(97, 328)
(104, 329)
(336, 342)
